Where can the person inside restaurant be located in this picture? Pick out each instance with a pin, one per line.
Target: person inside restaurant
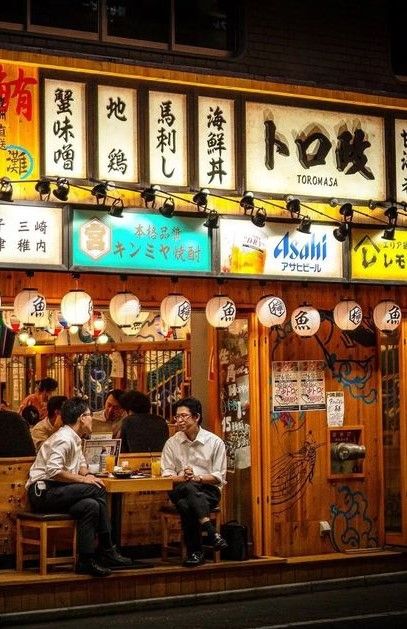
(142, 430)
(196, 461)
(15, 435)
(110, 420)
(59, 481)
(39, 399)
(50, 424)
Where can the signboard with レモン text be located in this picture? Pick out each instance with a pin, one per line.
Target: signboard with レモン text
(373, 258)
(279, 250)
(139, 241)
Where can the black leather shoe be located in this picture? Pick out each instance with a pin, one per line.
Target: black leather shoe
(218, 542)
(196, 559)
(92, 567)
(113, 559)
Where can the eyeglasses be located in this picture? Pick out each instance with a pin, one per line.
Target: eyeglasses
(182, 416)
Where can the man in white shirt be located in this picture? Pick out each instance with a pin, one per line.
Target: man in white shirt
(59, 481)
(50, 424)
(196, 461)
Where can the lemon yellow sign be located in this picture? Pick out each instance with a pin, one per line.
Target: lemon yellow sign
(373, 258)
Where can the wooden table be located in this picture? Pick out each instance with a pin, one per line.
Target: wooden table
(119, 486)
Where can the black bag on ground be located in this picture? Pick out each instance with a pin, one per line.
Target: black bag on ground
(236, 536)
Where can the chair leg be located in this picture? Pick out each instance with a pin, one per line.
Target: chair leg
(164, 538)
(19, 547)
(74, 545)
(43, 548)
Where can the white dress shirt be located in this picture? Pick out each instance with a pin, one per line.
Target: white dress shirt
(62, 452)
(205, 455)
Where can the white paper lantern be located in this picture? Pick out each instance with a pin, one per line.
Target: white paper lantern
(387, 316)
(305, 321)
(348, 315)
(29, 306)
(271, 311)
(175, 310)
(220, 311)
(124, 308)
(76, 307)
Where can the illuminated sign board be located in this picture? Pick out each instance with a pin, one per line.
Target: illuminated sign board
(373, 258)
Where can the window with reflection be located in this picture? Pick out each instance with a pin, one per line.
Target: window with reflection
(146, 20)
(75, 15)
(205, 23)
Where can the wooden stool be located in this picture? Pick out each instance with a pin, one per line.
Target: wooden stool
(43, 522)
(170, 519)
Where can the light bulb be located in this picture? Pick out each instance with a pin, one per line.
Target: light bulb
(73, 329)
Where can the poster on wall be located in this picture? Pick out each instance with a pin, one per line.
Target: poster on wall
(65, 128)
(374, 258)
(168, 139)
(19, 118)
(298, 385)
(400, 135)
(335, 408)
(295, 150)
(138, 240)
(117, 133)
(279, 250)
(216, 143)
(233, 363)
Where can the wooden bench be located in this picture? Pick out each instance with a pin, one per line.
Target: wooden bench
(42, 523)
(170, 520)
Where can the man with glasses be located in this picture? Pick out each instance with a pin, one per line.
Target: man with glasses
(196, 461)
(59, 481)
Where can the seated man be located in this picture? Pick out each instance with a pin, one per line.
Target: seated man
(50, 424)
(196, 461)
(112, 415)
(59, 481)
(46, 386)
(142, 430)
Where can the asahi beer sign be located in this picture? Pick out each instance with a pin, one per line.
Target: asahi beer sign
(279, 250)
(292, 150)
(401, 160)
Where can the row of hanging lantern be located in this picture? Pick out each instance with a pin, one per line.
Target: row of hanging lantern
(175, 311)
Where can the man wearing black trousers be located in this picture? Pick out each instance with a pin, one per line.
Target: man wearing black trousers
(59, 481)
(196, 461)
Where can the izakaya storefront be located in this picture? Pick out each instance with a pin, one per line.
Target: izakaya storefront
(225, 198)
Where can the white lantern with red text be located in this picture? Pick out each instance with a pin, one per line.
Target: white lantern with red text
(387, 316)
(220, 311)
(124, 309)
(29, 306)
(11, 321)
(76, 307)
(271, 310)
(305, 321)
(175, 310)
(348, 315)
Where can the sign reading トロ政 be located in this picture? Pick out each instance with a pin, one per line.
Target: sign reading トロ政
(142, 242)
(279, 250)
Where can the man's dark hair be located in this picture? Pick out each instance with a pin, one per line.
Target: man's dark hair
(54, 404)
(47, 384)
(116, 394)
(135, 401)
(31, 415)
(193, 404)
(72, 409)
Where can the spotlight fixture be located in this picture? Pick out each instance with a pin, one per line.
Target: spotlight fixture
(62, 189)
(100, 191)
(6, 189)
(149, 194)
(213, 220)
(390, 231)
(293, 205)
(247, 202)
(259, 219)
(391, 214)
(116, 209)
(346, 210)
(43, 187)
(201, 199)
(342, 232)
(305, 226)
(168, 208)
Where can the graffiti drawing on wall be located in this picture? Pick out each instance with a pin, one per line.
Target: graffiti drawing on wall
(351, 526)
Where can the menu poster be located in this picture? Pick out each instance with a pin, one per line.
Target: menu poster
(335, 408)
(298, 385)
(312, 385)
(234, 395)
(285, 386)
